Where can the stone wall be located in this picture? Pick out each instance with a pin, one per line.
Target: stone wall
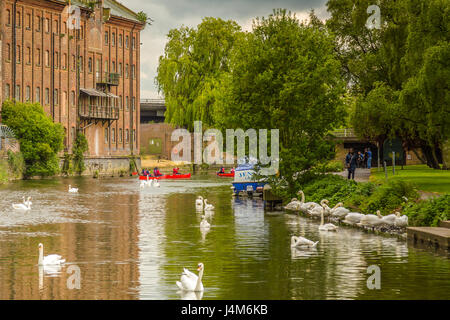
(107, 166)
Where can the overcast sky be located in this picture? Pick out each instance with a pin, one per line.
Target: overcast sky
(169, 14)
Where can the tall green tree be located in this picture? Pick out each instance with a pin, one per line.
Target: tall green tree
(285, 75)
(40, 139)
(191, 68)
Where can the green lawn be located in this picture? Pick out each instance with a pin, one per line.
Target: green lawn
(425, 178)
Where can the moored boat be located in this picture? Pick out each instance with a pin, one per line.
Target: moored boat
(167, 176)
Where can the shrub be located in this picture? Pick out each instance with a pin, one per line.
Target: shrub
(80, 146)
(3, 171)
(40, 139)
(16, 163)
(332, 166)
(67, 164)
(429, 212)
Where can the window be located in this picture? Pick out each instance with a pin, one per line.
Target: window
(56, 60)
(18, 19)
(120, 135)
(65, 27)
(47, 25)
(7, 91)
(126, 104)
(113, 135)
(18, 54)
(120, 103)
(28, 93)
(97, 69)
(106, 135)
(38, 23)
(133, 43)
(8, 17)
(28, 55)
(38, 58)
(106, 37)
(127, 136)
(17, 92)
(120, 40)
(74, 62)
(113, 39)
(106, 66)
(56, 26)
(47, 96)
(133, 103)
(72, 98)
(126, 71)
(72, 134)
(56, 97)
(90, 65)
(28, 21)
(37, 94)
(8, 52)
(81, 32)
(64, 62)
(126, 42)
(81, 63)
(134, 135)
(113, 67)
(47, 58)
(133, 71)
(120, 69)
(63, 103)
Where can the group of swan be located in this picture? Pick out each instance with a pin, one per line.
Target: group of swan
(343, 214)
(202, 204)
(150, 183)
(25, 206)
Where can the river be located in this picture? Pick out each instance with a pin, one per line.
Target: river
(131, 243)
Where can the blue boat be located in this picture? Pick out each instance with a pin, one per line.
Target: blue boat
(244, 181)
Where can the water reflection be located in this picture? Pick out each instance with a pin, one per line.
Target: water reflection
(133, 243)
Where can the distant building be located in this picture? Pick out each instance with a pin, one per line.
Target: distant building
(152, 110)
(86, 76)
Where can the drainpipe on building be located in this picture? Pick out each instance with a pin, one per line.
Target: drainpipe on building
(14, 62)
(132, 92)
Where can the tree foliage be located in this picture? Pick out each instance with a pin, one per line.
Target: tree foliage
(40, 139)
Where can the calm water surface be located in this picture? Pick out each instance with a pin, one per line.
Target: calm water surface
(133, 243)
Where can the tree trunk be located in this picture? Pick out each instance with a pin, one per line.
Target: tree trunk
(424, 161)
(430, 155)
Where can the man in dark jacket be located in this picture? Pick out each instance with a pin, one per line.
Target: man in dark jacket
(350, 163)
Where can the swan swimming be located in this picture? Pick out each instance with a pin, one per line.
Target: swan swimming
(52, 259)
(72, 190)
(300, 241)
(208, 206)
(156, 183)
(316, 211)
(190, 281)
(22, 206)
(27, 202)
(294, 205)
(305, 207)
(328, 226)
(199, 202)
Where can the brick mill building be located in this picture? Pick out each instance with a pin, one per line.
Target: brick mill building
(85, 74)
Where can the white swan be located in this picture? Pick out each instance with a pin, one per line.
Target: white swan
(328, 226)
(204, 224)
(72, 190)
(338, 211)
(353, 218)
(21, 206)
(389, 219)
(199, 201)
(316, 211)
(294, 205)
(156, 183)
(300, 242)
(27, 202)
(190, 281)
(401, 221)
(50, 259)
(305, 207)
(208, 207)
(143, 184)
(371, 220)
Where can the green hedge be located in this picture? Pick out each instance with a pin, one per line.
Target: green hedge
(429, 212)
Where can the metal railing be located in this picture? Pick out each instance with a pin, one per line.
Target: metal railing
(109, 78)
(344, 133)
(99, 112)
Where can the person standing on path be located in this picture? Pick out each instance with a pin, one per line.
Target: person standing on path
(350, 163)
(369, 158)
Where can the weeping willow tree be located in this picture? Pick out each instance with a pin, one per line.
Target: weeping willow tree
(191, 69)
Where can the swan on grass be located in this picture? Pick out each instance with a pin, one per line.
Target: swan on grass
(328, 226)
(302, 242)
(208, 206)
(51, 259)
(190, 281)
(204, 224)
(401, 221)
(353, 218)
(72, 190)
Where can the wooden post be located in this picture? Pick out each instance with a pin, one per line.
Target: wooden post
(393, 163)
(385, 170)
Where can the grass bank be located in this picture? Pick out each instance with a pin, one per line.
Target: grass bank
(424, 178)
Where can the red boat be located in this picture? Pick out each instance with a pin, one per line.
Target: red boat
(231, 174)
(167, 176)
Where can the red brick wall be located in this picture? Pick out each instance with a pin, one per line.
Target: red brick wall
(29, 73)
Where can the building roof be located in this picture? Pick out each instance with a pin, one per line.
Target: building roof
(153, 104)
(117, 9)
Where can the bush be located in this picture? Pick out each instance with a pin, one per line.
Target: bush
(331, 187)
(40, 139)
(429, 212)
(80, 146)
(16, 163)
(67, 164)
(332, 166)
(3, 171)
